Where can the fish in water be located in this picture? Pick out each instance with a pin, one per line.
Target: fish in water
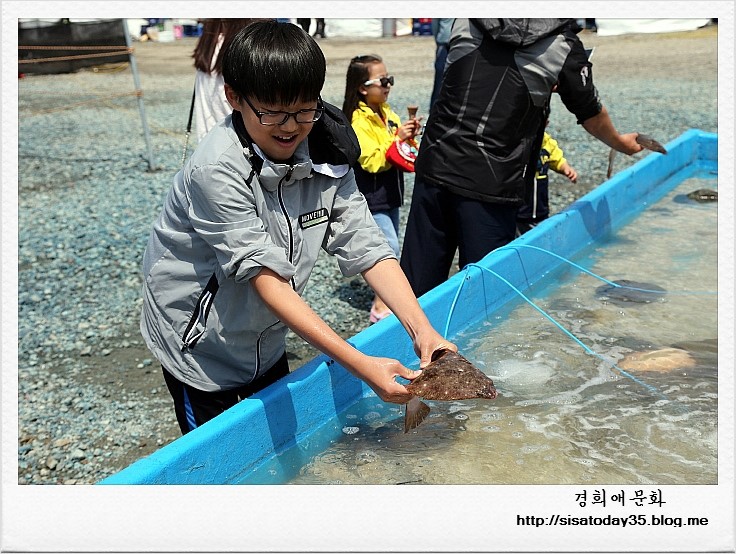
(646, 141)
(659, 360)
(682, 355)
(701, 196)
(704, 195)
(625, 291)
(449, 376)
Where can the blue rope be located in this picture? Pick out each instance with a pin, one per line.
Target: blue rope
(617, 285)
(550, 318)
(649, 387)
(452, 306)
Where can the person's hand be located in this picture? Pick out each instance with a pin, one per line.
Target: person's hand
(628, 144)
(568, 171)
(427, 343)
(380, 375)
(409, 128)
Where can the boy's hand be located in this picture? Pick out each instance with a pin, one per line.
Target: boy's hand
(380, 374)
(427, 343)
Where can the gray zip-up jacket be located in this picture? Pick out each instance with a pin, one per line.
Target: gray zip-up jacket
(222, 221)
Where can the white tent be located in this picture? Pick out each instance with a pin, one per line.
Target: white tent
(611, 27)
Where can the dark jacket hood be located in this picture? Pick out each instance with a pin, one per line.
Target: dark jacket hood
(523, 32)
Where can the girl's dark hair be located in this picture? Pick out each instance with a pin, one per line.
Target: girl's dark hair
(358, 73)
(204, 51)
(274, 62)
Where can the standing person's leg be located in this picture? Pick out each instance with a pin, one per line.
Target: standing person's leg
(430, 238)
(388, 222)
(194, 407)
(482, 227)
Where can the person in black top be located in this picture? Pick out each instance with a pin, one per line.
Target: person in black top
(480, 146)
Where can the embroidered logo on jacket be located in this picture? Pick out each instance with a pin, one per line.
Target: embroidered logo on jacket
(313, 218)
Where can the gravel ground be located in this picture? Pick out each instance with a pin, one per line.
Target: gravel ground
(91, 398)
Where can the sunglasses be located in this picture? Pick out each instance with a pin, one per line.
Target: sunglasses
(384, 81)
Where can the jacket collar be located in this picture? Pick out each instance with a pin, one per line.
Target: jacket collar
(368, 111)
(383, 119)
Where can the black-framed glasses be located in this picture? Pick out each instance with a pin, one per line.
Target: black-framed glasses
(279, 118)
(384, 81)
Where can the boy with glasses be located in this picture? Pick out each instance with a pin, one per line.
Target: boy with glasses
(241, 228)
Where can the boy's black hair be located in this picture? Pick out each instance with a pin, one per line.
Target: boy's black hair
(275, 63)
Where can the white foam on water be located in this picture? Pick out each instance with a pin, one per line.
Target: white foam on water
(511, 374)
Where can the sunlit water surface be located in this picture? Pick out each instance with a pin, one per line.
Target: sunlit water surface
(564, 414)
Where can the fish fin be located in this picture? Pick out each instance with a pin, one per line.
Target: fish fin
(416, 411)
(437, 354)
(611, 156)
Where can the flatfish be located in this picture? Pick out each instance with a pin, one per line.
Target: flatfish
(659, 360)
(701, 196)
(646, 141)
(683, 355)
(449, 376)
(704, 195)
(624, 291)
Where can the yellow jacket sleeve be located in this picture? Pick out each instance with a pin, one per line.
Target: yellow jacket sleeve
(556, 156)
(375, 136)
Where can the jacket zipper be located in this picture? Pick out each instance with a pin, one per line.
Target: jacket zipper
(282, 205)
(288, 220)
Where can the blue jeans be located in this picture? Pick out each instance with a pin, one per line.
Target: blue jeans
(388, 221)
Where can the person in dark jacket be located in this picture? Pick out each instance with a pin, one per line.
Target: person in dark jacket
(479, 151)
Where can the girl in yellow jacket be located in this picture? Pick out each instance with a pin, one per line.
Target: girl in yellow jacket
(387, 148)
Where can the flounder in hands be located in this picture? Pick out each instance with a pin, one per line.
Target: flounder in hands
(449, 376)
(646, 141)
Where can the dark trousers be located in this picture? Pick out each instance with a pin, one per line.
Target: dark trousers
(439, 223)
(193, 407)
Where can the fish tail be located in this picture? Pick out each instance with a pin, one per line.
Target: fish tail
(416, 411)
(611, 157)
(649, 143)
